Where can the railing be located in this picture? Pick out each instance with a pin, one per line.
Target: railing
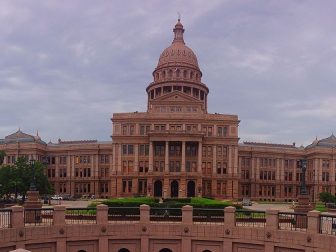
(166, 214)
(38, 216)
(248, 218)
(5, 218)
(293, 221)
(125, 214)
(80, 215)
(208, 216)
(328, 224)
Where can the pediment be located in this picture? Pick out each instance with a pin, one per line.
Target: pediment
(176, 96)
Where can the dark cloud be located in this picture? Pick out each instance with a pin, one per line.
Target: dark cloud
(65, 67)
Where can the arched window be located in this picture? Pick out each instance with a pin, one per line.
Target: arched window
(157, 76)
(165, 250)
(196, 76)
(191, 75)
(177, 73)
(123, 250)
(163, 74)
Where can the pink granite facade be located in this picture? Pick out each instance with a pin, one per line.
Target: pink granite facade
(177, 149)
(146, 235)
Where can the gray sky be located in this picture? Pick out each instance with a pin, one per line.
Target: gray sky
(67, 66)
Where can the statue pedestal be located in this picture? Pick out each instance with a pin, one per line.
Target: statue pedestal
(33, 207)
(303, 207)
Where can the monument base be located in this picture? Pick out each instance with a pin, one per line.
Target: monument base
(33, 207)
(303, 206)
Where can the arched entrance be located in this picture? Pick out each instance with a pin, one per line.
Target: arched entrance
(158, 188)
(191, 189)
(174, 189)
(123, 250)
(165, 250)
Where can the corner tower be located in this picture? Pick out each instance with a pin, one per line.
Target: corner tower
(177, 85)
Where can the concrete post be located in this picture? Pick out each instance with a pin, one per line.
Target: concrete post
(187, 214)
(17, 218)
(313, 222)
(229, 216)
(102, 214)
(272, 219)
(59, 215)
(144, 214)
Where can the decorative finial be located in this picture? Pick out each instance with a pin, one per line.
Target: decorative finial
(178, 16)
(37, 133)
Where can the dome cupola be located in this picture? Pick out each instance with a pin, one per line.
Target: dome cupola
(178, 72)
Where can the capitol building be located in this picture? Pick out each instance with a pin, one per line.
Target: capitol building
(177, 149)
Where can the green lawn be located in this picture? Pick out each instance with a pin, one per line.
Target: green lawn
(172, 203)
(320, 206)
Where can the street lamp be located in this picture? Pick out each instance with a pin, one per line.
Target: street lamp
(32, 186)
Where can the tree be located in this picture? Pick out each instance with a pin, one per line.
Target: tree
(2, 156)
(327, 197)
(16, 179)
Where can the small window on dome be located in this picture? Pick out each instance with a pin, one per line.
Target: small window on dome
(196, 76)
(178, 73)
(163, 74)
(191, 75)
(185, 74)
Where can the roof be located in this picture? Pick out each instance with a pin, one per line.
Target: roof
(328, 142)
(19, 137)
(292, 146)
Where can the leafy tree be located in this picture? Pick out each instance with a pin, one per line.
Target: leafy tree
(2, 157)
(16, 179)
(327, 197)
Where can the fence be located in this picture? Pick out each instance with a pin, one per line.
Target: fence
(328, 224)
(125, 214)
(38, 216)
(5, 218)
(293, 221)
(166, 214)
(80, 215)
(248, 218)
(208, 216)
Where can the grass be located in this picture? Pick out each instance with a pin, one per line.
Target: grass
(320, 206)
(178, 203)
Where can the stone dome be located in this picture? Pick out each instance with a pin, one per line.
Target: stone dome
(178, 53)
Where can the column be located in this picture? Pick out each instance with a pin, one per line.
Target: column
(235, 160)
(230, 162)
(332, 176)
(119, 159)
(110, 164)
(214, 159)
(114, 159)
(151, 152)
(167, 157)
(183, 156)
(136, 158)
(199, 157)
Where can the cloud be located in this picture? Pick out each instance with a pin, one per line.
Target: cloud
(66, 67)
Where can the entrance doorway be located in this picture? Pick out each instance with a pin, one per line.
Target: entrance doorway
(174, 189)
(158, 188)
(191, 189)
